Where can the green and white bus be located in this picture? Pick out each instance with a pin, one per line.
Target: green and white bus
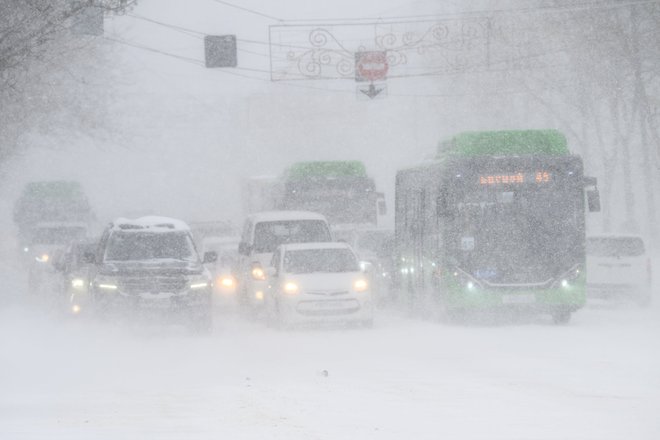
(340, 190)
(495, 222)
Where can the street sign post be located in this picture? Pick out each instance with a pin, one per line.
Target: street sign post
(371, 91)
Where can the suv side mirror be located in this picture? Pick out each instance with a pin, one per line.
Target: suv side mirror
(210, 257)
(244, 248)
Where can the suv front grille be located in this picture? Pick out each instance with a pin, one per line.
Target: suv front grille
(162, 284)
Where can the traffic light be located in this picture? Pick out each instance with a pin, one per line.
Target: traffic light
(220, 50)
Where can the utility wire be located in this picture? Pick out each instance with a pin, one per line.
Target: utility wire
(430, 17)
(251, 11)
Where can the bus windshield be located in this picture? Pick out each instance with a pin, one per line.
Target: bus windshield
(269, 235)
(525, 234)
(340, 199)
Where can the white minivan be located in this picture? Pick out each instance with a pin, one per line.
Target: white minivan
(618, 265)
(262, 233)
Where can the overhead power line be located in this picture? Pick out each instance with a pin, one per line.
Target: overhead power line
(251, 11)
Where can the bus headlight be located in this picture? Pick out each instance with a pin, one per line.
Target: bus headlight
(465, 280)
(566, 280)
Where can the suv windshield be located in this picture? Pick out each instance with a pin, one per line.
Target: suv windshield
(137, 246)
(269, 235)
(320, 260)
(615, 246)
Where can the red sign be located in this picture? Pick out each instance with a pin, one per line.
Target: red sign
(370, 66)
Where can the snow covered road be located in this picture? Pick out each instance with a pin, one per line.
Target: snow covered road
(597, 378)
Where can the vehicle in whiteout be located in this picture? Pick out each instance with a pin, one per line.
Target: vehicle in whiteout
(55, 202)
(341, 190)
(74, 267)
(618, 266)
(262, 233)
(149, 266)
(495, 223)
(374, 248)
(317, 282)
(46, 242)
(224, 269)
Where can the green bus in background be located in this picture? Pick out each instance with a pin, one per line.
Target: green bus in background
(341, 190)
(495, 223)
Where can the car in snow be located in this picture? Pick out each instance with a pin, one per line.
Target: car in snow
(45, 243)
(224, 269)
(317, 282)
(262, 233)
(150, 266)
(375, 250)
(618, 266)
(74, 267)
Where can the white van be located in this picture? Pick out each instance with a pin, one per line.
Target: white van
(262, 233)
(618, 265)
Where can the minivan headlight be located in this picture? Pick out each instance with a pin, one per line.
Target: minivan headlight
(360, 285)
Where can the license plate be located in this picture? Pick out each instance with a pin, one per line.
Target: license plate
(528, 298)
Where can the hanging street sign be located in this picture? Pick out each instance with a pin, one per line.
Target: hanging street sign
(372, 91)
(371, 65)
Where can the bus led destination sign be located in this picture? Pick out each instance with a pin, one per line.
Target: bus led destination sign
(515, 178)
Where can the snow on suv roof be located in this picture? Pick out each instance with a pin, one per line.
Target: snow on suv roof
(150, 223)
(274, 216)
(320, 245)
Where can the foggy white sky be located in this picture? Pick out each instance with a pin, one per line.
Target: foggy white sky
(187, 134)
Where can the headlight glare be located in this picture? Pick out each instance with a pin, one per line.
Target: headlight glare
(360, 285)
(290, 287)
(258, 273)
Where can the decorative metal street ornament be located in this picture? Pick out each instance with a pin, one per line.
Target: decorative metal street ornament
(413, 48)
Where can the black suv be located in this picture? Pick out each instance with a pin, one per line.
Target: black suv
(150, 266)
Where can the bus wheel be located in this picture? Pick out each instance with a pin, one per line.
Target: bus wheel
(561, 316)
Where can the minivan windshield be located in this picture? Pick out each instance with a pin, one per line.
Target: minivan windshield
(269, 235)
(140, 246)
(615, 246)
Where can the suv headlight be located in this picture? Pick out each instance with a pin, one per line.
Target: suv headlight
(199, 283)
(106, 283)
